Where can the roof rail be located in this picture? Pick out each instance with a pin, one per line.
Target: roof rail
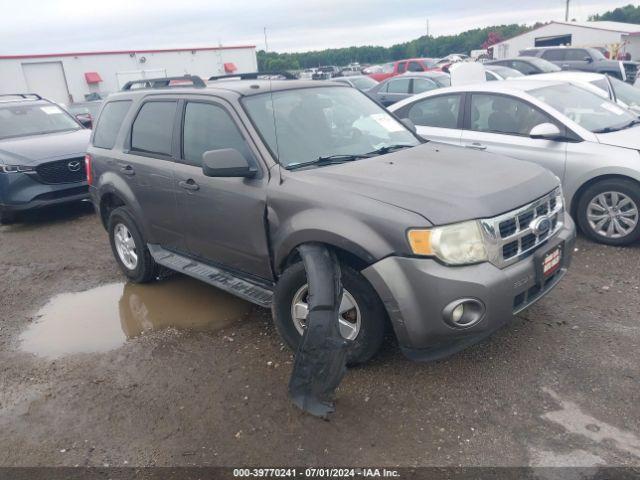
(25, 96)
(256, 76)
(165, 82)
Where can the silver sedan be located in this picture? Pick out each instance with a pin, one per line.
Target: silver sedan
(589, 142)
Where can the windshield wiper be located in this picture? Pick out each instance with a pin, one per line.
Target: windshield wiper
(329, 160)
(616, 129)
(388, 149)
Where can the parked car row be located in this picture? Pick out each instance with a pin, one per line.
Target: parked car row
(432, 211)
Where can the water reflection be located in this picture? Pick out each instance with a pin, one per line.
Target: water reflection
(103, 318)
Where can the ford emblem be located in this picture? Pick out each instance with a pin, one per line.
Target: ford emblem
(540, 225)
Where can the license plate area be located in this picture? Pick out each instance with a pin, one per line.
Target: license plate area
(549, 261)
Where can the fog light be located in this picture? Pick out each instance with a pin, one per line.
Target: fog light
(463, 313)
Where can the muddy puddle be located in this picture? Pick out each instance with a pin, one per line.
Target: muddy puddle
(104, 318)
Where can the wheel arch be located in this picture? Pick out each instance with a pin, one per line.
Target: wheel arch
(575, 199)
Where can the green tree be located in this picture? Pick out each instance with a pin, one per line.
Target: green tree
(628, 14)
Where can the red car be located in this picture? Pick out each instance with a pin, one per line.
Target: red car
(400, 66)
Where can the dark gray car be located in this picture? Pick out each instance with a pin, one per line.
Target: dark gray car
(42, 151)
(404, 86)
(527, 65)
(586, 60)
(224, 182)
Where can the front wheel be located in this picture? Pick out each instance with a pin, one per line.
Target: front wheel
(609, 212)
(361, 319)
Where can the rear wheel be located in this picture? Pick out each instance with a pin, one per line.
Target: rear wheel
(361, 319)
(609, 212)
(129, 248)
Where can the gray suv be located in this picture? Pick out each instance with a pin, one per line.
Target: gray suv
(585, 59)
(224, 181)
(41, 155)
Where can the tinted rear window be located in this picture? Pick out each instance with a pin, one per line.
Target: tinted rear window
(109, 123)
(153, 128)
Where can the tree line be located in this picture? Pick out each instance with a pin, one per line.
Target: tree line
(425, 46)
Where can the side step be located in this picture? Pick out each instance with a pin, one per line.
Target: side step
(224, 280)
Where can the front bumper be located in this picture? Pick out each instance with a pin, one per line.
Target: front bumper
(20, 192)
(415, 291)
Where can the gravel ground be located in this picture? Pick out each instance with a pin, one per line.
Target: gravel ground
(558, 386)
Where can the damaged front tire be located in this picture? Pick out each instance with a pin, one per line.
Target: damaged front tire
(362, 322)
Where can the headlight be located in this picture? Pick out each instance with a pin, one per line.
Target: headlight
(15, 168)
(457, 244)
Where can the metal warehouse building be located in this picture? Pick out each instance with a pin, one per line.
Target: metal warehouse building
(71, 77)
(579, 34)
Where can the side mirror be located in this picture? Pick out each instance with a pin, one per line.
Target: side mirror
(409, 124)
(226, 162)
(546, 131)
(85, 120)
(588, 59)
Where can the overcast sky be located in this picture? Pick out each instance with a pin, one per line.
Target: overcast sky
(53, 26)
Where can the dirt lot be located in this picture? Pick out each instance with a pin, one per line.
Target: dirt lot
(95, 379)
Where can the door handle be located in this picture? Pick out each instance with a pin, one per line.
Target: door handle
(564, 65)
(476, 146)
(189, 184)
(127, 169)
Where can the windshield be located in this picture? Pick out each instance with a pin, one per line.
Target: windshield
(625, 92)
(587, 109)
(303, 125)
(544, 65)
(506, 72)
(22, 120)
(364, 83)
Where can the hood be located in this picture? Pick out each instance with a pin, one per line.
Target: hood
(34, 149)
(627, 138)
(444, 184)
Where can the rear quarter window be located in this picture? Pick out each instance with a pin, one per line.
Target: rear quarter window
(109, 123)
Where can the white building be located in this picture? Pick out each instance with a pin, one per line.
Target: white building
(70, 77)
(578, 34)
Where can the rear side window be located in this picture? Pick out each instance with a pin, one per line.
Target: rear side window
(209, 127)
(442, 111)
(576, 55)
(153, 128)
(554, 55)
(109, 123)
(401, 85)
(423, 85)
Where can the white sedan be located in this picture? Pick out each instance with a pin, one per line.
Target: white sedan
(589, 142)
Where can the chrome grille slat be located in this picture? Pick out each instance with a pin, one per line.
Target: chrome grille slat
(509, 236)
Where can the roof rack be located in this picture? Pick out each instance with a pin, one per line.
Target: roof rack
(256, 76)
(165, 82)
(24, 96)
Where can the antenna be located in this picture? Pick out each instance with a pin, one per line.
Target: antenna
(566, 12)
(273, 108)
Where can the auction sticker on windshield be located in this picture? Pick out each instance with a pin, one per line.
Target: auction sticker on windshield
(387, 122)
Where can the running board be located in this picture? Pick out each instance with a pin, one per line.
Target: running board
(222, 279)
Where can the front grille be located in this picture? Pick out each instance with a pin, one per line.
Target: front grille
(69, 170)
(510, 236)
(630, 70)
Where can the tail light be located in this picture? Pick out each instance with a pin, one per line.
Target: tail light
(87, 168)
